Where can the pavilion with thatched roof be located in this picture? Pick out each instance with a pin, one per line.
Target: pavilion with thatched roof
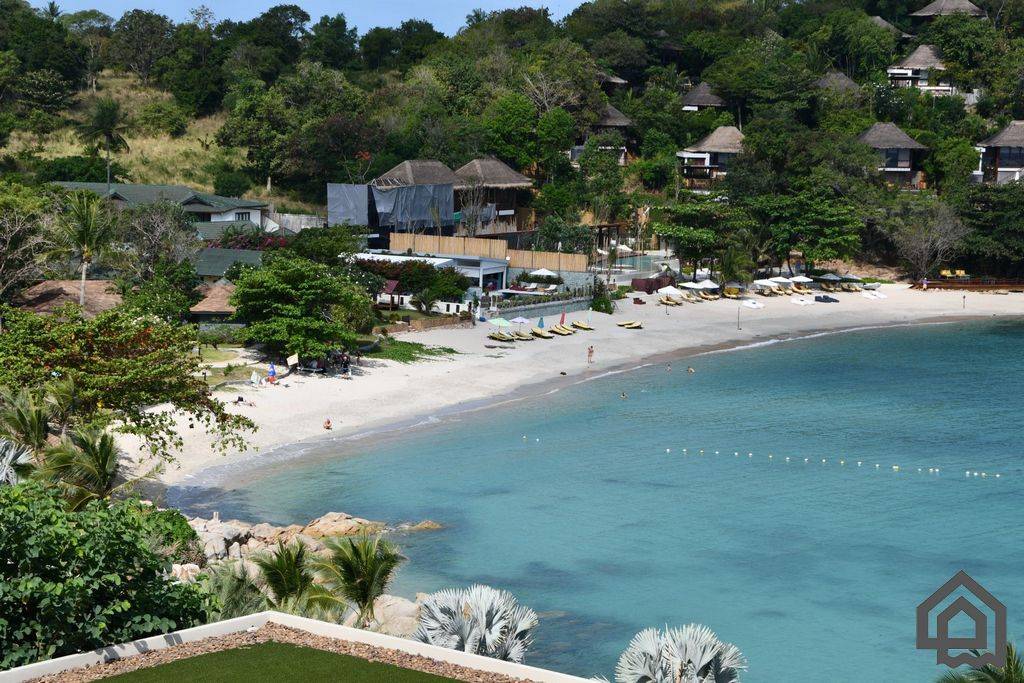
(945, 8)
(883, 24)
(417, 172)
(900, 154)
(707, 160)
(702, 97)
(1002, 155)
(922, 69)
(491, 192)
(837, 81)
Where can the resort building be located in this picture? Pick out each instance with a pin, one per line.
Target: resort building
(491, 196)
(702, 97)
(707, 161)
(486, 273)
(922, 69)
(837, 82)
(882, 23)
(202, 206)
(212, 264)
(1001, 157)
(900, 155)
(215, 305)
(945, 8)
(611, 121)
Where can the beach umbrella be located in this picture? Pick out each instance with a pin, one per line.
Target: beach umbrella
(781, 280)
(801, 279)
(690, 285)
(831, 277)
(540, 323)
(561, 320)
(544, 272)
(670, 291)
(708, 284)
(500, 322)
(520, 320)
(623, 249)
(763, 283)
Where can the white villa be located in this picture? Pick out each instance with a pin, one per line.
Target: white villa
(1001, 157)
(922, 69)
(707, 160)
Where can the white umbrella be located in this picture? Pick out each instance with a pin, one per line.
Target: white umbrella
(623, 249)
(831, 277)
(544, 272)
(801, 279)
(519, 321)
(670, 291)
(708, 284)
(763, 283)
(690, 285)
(781, 280)
(500, 322)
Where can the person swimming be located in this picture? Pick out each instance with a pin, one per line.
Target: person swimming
(690, 370)
(623, 395)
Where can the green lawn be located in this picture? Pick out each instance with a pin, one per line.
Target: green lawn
(222, 353)
(275, 662)
(409, 352)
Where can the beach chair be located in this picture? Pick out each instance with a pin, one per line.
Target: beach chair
(781, 291)
(499, 337)
(731, 293)
(560, 332)
(667, 301)
(687, 296)
(961, 273)
(634, 326)
(563, 328)
(541, 334)
(551, 289)
(532, 287)
(708, 296)
(625, 323)
(582, 326)
(945, 273)
(800, 289)
(828, 288)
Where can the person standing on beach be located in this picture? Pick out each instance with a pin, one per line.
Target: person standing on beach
(590, 354)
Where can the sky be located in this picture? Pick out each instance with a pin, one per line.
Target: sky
(446, 15)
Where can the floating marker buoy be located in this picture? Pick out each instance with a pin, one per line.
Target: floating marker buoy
(769, 456)
(716, 452)
(823, 460)
(997, 476)
(842, 462)
(876, 465)
(750, 455)
(807, 459)
(859, 463)
(895, 468)
(702, 451)
(787, 458)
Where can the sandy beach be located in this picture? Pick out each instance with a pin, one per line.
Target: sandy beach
(383, 393)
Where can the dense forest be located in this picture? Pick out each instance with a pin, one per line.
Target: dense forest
(306, 102)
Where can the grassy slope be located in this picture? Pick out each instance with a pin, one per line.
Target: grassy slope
(189, 160)
(275, 662)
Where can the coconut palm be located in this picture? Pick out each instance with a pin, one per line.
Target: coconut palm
(15, 462)
(84, 232)
(480, 620)
(1011, 672)
(235, 593)
(691, 654)
(358, 571)
(286, 573)
(24, 420)
(106, 122)
(425, 300)
(87, 465)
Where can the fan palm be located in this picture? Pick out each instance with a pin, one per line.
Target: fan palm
(358, 570)
(691, 654)
(85, 231)
(15, 462)
(480, 620)
(106, 122)
(24, 420)
(87, 465)
(1011, 672)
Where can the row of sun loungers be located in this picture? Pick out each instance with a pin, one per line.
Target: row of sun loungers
(690, 298)
(538, 333)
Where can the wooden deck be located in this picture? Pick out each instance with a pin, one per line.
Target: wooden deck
(974, 284)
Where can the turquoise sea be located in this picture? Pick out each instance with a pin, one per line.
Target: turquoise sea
(609, 515)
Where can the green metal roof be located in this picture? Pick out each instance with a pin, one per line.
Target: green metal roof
(134, 195)
(211, 262)
(213, 230)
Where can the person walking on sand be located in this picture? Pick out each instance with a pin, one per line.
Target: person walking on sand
(327, 423)
(590, 354)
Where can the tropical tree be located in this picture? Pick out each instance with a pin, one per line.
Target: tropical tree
(480, 620)
(691, 654)
(84, 232)
(1011, 672)
(359, 571)
(24, 420)
(234, 592)
(105, 123)
(87, 466)
(287, 574)
(15, 462)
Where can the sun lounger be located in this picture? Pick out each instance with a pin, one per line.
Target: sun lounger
(582, 326)
(541, 334)
(828, 288)
(708, 296)
(532, 287)
(961, 273)
(560, 332)
(551, 289)
(799, 289)
(498, 336)
(624, 323)
(634, 326)
(522, 336)
(686, 296)
(731, 293)
(666, 301)
(563, 328)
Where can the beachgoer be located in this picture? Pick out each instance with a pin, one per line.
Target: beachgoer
(272, 372)
(690, 370)
(590, 354)
(623, 396)
(327, 423)
(668, 368)
(239, 401)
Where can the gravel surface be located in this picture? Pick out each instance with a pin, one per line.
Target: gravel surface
(279, 634)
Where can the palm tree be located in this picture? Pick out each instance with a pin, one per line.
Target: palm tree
(24, 421)
(235, 593)
(425, 300)
(15, 462)
(691, 654)
(87, 465)
(85, 231)
(286, 573)
(480, 620)
(106, 123)
(358, 571)
(1011, 672)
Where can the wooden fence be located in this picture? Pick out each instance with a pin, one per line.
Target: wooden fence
(497, 249)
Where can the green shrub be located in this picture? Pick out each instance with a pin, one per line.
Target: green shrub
(90, 169)
(231, 182)
(220, 334)
(172, 533)
(601, 303)
(163, 118)
(75, 581)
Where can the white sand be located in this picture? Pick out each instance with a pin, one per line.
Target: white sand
(387, 392)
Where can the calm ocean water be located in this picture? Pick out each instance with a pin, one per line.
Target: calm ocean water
(812, 568)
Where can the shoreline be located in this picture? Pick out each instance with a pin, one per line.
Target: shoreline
(448, 381)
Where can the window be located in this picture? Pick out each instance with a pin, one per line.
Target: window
(897, 158)
(242, 215)
(1011, 157)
